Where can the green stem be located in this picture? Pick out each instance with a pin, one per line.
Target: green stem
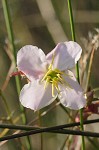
(90, 67)
(11, 39)
(77, 66)
(6, 105)
(82, 128)
(40, 124)
(71, 20)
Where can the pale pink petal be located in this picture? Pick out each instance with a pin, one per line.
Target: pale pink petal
(31, 61)
(34, 96)
(72, 97)
(66, 55)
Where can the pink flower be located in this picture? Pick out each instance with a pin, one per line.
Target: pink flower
(50, 77)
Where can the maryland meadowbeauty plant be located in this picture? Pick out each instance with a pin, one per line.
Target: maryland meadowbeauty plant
(50, 76)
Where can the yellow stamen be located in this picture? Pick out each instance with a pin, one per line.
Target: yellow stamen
(49, 71)
(53, 90)
(46, 83)
(59, 77)
(50, 66)
(57, 88)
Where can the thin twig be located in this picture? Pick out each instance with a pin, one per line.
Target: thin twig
(52, 130)
(28, 128)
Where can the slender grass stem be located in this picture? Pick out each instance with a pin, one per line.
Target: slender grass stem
(6, 105)
(89, 68)
(40, 124)
(71, 20)
(77, 66)
(11, 40)
(82, 128)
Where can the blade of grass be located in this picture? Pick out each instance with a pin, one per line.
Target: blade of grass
(5, 103)
(90, 67)
(40, 124)
(77, 66)
(11, 39)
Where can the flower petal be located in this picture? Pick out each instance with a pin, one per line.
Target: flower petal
(31, 61)
(34, 96)
(72, 97)
(66, 55)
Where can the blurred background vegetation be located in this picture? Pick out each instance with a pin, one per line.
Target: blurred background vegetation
(43, 23)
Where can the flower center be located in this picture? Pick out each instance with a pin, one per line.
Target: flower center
(54, 77)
